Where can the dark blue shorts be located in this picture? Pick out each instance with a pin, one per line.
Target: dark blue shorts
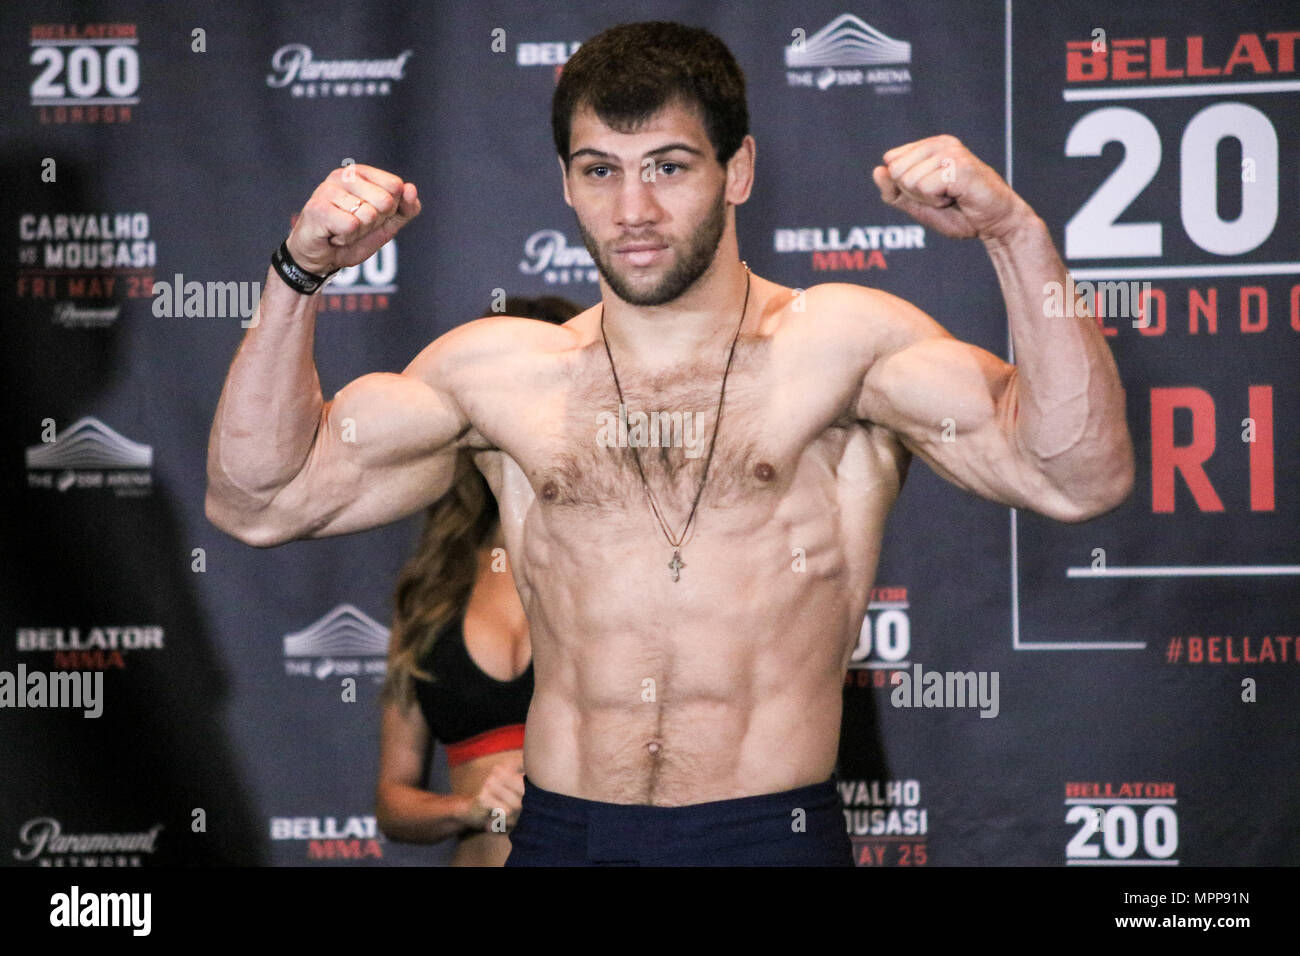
(764, 830)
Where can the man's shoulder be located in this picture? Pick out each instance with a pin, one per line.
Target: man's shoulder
(509, 333)
(478, 347)
(848, 302)
(853, 317)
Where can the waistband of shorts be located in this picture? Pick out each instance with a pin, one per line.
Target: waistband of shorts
(814, 796)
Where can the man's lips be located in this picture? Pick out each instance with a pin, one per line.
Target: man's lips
(641, 253)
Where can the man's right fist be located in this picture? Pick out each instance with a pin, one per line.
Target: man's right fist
(349, 216)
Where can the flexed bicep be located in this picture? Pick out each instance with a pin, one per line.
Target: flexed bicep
(385, 448)
(955, 406)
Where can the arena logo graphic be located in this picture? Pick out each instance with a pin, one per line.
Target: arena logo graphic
(356, 838)
(884, 640)
(89, 454)
(849, 51)
(345, 642)
(854, 248)
(886, 822)
(306, 77)
(97, 648)
(43, 843)
(547, 253)
(95, 258)
(85, 73)
(1137, 823)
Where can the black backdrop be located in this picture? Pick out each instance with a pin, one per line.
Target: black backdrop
(1147, 660)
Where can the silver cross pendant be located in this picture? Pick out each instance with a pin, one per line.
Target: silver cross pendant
(676, 565)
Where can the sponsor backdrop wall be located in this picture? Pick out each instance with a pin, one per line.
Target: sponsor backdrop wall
(1144, 710)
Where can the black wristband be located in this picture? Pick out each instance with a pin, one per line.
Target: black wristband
(294, 275)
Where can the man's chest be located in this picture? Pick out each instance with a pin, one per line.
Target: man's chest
(584, 441)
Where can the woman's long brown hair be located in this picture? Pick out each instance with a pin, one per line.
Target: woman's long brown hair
(434, 586)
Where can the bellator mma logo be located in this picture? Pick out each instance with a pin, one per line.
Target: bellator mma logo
(853, 248)
(95, 648)
(357, 838)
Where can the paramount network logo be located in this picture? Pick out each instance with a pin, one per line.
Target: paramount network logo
(840, 48)
(44, 843)
(297, 68)
(336, 644)
(89, 454)
(548, 254)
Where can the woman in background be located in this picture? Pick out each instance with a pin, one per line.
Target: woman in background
(459, 670)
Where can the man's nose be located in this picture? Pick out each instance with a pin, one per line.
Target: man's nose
(636, 202)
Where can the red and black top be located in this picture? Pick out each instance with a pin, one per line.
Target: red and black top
(472, 713)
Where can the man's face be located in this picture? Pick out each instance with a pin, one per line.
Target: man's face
(651, 205)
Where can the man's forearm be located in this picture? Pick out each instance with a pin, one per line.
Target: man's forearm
(271, 404)
(1068, 397)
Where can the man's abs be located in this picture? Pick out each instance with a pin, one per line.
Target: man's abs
(722, 684)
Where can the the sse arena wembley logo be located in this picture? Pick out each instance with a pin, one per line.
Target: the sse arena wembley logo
(89, 454)
(848, 51)
(346, 642)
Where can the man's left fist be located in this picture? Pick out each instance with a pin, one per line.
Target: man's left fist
(944, 186)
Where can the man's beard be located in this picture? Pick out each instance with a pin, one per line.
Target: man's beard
(685, 270)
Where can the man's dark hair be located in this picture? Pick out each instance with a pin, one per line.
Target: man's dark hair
(631, 71)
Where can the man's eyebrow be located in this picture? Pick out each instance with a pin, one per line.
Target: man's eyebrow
(600, 154)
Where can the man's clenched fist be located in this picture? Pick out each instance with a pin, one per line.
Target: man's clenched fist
(944, 186)
(350, 215)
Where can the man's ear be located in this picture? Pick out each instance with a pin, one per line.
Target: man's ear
(564, 178)
(740, 172)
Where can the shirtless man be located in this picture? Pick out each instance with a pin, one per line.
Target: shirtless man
(688, 682)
